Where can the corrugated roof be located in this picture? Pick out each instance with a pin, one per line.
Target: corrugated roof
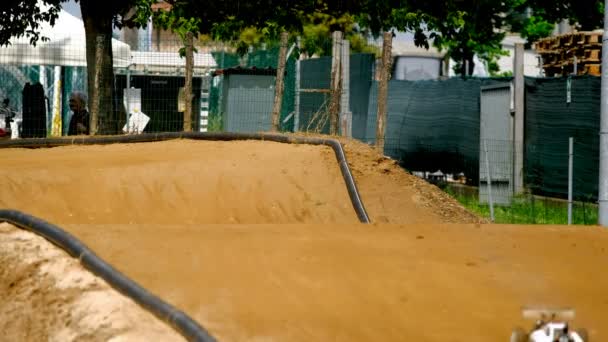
(246, 71)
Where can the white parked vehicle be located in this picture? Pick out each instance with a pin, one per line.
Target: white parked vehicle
(550, 326)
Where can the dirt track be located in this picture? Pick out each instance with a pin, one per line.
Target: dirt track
(323, 276)
(364, 283)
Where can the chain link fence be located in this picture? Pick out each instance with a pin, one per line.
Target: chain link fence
(494, 196)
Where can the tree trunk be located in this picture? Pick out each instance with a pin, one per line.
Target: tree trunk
(467, 66)
(471, 65)
(280, 86)
(97, 19)
(188, 82)
(334, 104)
(385, 75)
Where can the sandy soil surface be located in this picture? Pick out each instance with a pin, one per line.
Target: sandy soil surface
(46, 295)
(259, 242)
(214, 182)
(364, 283)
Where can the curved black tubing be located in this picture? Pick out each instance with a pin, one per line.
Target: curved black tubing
(355, 198)
(183, 324)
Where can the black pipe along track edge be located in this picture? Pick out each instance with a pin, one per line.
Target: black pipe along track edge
(353, 193)
(178, 320)
(181, 322)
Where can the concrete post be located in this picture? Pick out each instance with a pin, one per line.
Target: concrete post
(518, 129)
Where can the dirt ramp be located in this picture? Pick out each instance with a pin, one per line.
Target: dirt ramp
(177, 181)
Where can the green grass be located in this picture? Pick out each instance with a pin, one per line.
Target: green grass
(215, 123)
(527, 209)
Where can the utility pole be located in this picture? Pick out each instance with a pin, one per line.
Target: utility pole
(518, 127)
(603, 181)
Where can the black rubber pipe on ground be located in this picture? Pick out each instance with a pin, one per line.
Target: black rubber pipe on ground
(353, 193)
(178, 320)
(181, 322)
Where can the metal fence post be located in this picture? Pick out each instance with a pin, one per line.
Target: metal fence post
(570, 159)
(489, 180)
(345, 113)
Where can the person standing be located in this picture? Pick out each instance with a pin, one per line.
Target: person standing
(79, 123)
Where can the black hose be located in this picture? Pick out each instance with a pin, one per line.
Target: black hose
(183, 324)
(353, 192)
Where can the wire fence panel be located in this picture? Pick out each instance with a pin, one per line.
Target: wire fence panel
(509, 206)
(48, 90)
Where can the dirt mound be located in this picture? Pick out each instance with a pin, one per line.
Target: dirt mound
(215, 182)
(393, 195)
(177, 181)
(48, 296)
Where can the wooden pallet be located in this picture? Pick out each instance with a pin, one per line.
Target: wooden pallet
(593, 38)
(592, 69)
(559, 53)
(592, 55)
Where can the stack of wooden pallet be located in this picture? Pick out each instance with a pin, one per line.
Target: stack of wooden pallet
(561, 53)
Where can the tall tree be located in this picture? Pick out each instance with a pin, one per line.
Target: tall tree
(536, 19)
(477, 32)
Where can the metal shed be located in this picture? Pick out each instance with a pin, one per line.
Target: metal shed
(247, 98)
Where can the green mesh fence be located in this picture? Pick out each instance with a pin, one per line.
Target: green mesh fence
(432, 125)
(550, 121)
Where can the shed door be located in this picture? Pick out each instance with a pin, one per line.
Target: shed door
(496, 138)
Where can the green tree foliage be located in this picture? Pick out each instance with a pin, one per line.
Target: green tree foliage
(477, 30)
(535, 19)
(23, 18)
(588, 14)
